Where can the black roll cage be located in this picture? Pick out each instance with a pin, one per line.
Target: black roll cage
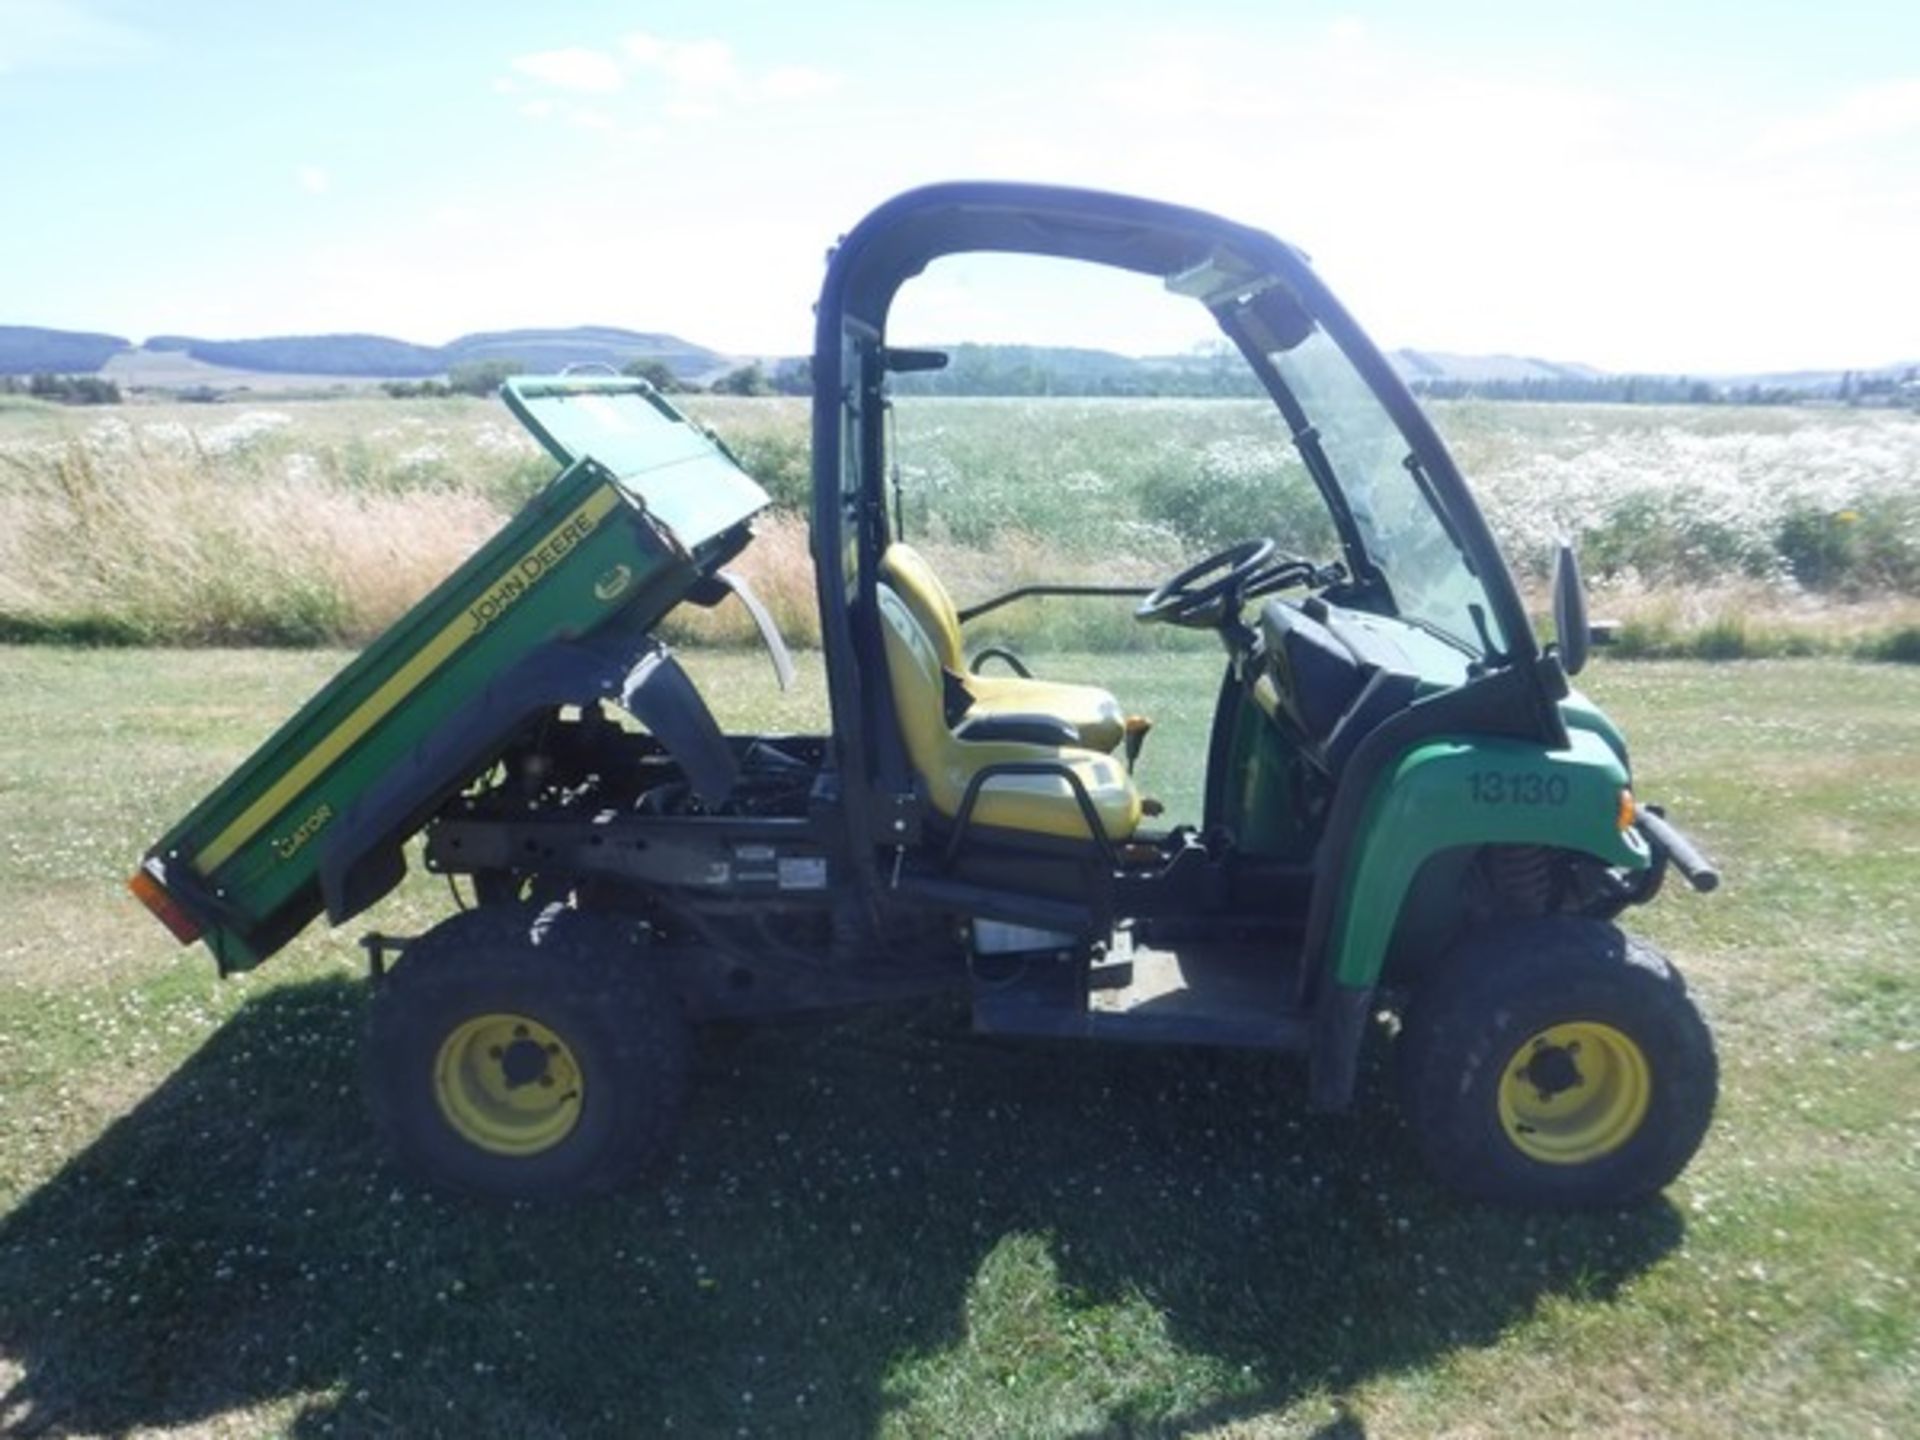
(895, 243)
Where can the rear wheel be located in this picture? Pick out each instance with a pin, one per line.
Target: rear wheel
(1556, 1062)
(526, 1057)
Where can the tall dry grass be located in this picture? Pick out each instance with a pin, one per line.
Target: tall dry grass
(242, 532)
(780, 570)
(171, 551)
(1707, 530)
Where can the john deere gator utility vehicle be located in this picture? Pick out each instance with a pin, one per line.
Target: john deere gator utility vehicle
(1408, 812)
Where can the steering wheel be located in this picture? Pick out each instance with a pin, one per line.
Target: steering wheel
(1283, 572)
(1185, 601)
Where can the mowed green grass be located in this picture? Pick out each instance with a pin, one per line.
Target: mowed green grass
(882, 1225)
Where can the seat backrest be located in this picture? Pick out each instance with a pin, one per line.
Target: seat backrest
(919, 697)
(1040, 804)
(913, 581)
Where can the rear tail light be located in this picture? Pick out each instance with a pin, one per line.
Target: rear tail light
(148, 890)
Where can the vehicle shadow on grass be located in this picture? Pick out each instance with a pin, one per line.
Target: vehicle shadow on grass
(871, 1216)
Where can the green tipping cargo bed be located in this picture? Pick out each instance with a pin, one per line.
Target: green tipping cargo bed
(555, 609)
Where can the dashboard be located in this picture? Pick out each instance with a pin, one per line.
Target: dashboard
(1329, 675)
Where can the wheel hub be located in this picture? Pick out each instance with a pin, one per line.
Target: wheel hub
(523, 1063)
(508, 1084)
(1552, 1069)
(1575, 1092)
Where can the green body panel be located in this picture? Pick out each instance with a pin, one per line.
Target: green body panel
(1580, 713)
(1261, 803)
(589, 551)
(1445, 794)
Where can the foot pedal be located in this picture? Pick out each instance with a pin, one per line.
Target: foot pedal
(1110, 975)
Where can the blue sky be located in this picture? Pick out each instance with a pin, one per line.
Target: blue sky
(1708, 187)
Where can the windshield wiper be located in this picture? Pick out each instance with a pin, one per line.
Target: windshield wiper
(1489, 653)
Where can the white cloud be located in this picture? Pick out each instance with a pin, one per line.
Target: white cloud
(689, 110)
(700, 66)
(689, 79)
(703, 76)
(1348, 32)
(313, 179)
(797, 82)
(645, 49)
(43, 34)
(591, 72)
(1874, 112)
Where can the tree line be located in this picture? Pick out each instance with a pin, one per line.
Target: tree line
(1882, 389)
(63, 389)
(484, 377)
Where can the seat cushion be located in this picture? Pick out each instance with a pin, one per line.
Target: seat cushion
(1092, 714)
(1045, 804)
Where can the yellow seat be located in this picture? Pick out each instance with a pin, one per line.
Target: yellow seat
(945, 763)
(1092, 714)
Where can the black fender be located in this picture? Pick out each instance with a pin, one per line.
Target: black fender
(365, 858)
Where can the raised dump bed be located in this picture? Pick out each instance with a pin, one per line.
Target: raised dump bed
(555, 609)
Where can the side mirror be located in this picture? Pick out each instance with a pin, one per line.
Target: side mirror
(1570, 612)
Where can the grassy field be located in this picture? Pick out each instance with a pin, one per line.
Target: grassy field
(881, 1225)
(1713, 530)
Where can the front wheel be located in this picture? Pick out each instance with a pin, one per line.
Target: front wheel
(1556, 1062)
(526, 1056)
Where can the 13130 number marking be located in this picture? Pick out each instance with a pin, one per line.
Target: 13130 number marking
(1517, 787)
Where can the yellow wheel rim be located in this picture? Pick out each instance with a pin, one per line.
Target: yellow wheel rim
(508, 1084)
(1573, 1093)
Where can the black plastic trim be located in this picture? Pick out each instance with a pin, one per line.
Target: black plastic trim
(1339, 1029)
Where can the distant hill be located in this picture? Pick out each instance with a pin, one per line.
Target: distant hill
(587, 345)
(29, 350)
(26, 350)
(284, 362)
(310, 354)
(378, 356)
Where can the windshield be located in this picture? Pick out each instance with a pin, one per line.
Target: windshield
(1427, 574)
